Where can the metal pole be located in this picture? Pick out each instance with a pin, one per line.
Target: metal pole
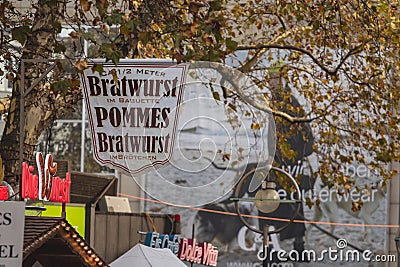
(63, 210)
(83, 122)
(266, 245)
(191, 264)
(398, 217)
(83, 130)
(21, 126)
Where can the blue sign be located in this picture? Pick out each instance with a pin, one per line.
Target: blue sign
(156, 240)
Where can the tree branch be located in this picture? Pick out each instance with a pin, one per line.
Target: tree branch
(254, 60)
(231, 76)
(331, 72)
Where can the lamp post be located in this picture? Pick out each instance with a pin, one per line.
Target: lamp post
(267, 200)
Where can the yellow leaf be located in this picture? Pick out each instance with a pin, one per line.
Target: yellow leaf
(194, 27)
(156, 27)
(136, 4)
(140, 45)
(356, 206)
(226, 157)
(124, 30)
(81, 64)
(85, 5)
(115, 76)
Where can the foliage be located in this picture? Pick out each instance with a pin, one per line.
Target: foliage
(339, 57)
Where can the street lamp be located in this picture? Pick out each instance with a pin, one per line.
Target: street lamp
(267, 200)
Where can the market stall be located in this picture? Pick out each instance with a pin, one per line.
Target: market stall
(54, 242)
(143, 256)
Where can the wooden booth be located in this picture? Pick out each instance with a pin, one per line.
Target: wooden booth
(54, 242)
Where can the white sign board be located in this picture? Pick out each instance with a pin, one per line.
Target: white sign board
(12, 221)
(133, 110)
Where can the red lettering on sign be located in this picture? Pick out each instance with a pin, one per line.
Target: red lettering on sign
(29, 182)
(45, 186)
(182, 248)
(204, 253)
(210, 254)
(3, 192)
(60, 189)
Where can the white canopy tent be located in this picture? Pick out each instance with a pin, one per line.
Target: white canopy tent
(143, 256)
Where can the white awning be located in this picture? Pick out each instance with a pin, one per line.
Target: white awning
(143, 256)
